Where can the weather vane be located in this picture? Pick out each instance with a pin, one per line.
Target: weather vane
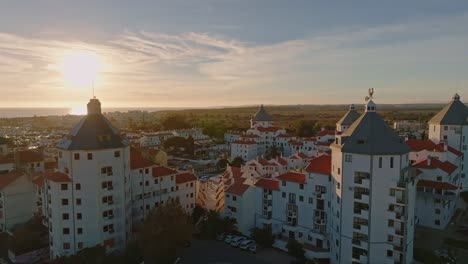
(371, 94)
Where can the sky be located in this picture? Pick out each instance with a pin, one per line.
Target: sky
(231, 52)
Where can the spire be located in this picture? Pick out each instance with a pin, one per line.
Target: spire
(370, 105)
(352, 107)
(94, 107)
(456, 97)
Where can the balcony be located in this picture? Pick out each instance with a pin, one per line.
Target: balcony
(361, 212)
(267, 196)
(362, 182)
(320, 195)
(359, 258)
(362, 197)
(319, 221)
(361, 242)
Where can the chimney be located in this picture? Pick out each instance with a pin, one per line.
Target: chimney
(429, 161)
(445, 146)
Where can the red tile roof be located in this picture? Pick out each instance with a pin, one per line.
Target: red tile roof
(282, 161)
(267, 184)
(268, 129)
(137, 161)
(236, 172)
(244, 142)
(436, 185)
(436, 164)
(264, 162)
(249, 136)
(321, 164)
(39, 180)
(286, 136)
(160, 171)
(8, 178)
(302, 155)
(28, 156)
(418, 145)
(50, 165)
(295, 143)
(237, 188)
(6, 160)
(185, 177)
(293, 177)
(323, 144)
(313, 139)
(57, 177)
(326, 133)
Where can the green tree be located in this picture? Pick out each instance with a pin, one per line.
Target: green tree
(272, 152)
(305, 128)
(164, 232)
(295, 249)
(222, 164)
(197, 213)
(175, 121)
(237, 162)
(215, 224)
(263, 236)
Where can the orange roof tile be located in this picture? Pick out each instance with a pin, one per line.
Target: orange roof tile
(293, 177)
(436, 164)
(267, 184)
(28, 156)
(6, 160)
(236, 172)
(326, 133)
(321, 164)
(436, 185)
(160, 171)
(8, 178)
(268, 129)
(237, 188)
(57, 177)
(137, 161)
(39, 180)
(185, 177)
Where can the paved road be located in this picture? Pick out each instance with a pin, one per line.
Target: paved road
(217, 252)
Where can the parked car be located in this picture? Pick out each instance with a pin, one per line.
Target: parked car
(236, 241)
(221, 237)
(229, 238)
(253, 248)
(245, 244)
(441, 253)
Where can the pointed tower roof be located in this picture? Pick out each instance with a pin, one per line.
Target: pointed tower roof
(93, 132)
(349, 117)
(370, 135)
(262, 115)
(455, 113)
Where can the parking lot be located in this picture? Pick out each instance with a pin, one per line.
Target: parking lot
(212, 251)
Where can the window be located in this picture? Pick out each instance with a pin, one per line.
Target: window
(439, 178)
(106, 170)
(338, 185)
(234, 198)
(389, 253)
(79, 216)
(380, 162)
(78, 186)
(60, 154)
(339, 171)
(283, 194)
(78, 201)
(437, 222)
(116, 154)
(437, 211)
(66, 231)
(80, 245)
(64, 187)
(66, 245)
(77, 156)
(445, 128)
(301, 198)
(64, 201)
(90, 156)
(390, 223)
(348, 158)
(283, 183)
(391, 162)
(311, 200)
(301, 186)
(65, 216)
(155, 181)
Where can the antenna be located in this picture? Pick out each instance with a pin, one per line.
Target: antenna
(94, 97)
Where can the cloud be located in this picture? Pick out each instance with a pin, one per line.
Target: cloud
(196, 69)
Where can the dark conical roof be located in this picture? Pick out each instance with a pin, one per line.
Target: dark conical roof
(262, 115)
(370, 135)
(349, 117)
(455, 113)
(93, 132)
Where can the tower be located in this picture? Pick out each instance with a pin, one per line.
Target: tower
(450, 126)
(89, 195)
(348, 119)
(261, 119)
(373, 193)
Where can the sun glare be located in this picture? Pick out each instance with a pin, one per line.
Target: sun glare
(80, 68)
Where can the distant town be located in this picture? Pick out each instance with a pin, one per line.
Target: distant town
(360, 188)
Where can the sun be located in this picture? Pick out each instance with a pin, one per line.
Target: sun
(80, 68)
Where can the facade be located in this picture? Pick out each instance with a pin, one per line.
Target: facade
(450, 125)
(155, 139)
(17, 199)
(88, 198)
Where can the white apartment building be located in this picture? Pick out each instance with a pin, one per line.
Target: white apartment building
(17, 199)
(88, 198)
(155, 139)
(263, 135)
(450, 125)
(373, 194)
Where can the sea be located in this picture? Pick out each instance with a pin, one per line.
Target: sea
(31, 112)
